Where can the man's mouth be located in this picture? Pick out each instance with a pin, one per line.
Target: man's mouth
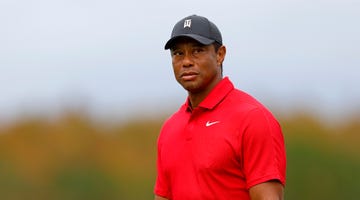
(188, 76)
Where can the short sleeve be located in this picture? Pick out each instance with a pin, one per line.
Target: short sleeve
(263, 149)
(161, 183)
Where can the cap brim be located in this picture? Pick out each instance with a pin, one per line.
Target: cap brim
(201, 39)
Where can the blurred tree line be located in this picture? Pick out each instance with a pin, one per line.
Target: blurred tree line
(74, 157)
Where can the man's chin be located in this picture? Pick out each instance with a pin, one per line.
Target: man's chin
(192, 88)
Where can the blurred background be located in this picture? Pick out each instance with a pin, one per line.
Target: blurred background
(86, 85)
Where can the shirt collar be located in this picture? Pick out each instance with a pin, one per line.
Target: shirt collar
(217, 94)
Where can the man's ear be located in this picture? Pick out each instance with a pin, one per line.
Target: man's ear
(221, 55)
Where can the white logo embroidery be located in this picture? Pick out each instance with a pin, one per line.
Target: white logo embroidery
(208, 123)
(187, 23)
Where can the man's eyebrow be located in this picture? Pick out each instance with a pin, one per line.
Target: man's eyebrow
(198, 45)
(174, 48)
(195, 44)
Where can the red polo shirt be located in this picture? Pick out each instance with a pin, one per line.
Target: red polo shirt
(226, 145)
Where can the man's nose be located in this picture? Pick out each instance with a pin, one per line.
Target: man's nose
(188, 60)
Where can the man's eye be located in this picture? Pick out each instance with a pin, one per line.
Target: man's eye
(177, 53)
(198, 50)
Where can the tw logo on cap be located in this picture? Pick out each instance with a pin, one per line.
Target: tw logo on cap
(187, 23)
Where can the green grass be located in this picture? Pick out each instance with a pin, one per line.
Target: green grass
(74, 158)
(316, 174)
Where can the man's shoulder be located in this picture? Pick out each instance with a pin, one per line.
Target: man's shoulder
(177, 115)
(242, 102)
(242, 98)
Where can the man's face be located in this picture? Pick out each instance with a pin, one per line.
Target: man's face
(196, 67)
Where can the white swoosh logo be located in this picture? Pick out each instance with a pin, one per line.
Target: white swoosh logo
(208, 123)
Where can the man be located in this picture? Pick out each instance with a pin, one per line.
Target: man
(222, 143)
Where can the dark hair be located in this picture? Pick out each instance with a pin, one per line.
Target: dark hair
(217, 47)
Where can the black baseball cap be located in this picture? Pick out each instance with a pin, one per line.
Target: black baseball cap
(196, 27)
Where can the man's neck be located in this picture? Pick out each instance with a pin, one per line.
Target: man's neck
(196, 98)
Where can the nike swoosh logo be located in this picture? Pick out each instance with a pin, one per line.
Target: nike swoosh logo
(208, 123)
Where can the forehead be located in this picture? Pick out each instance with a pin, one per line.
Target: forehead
(185, 41)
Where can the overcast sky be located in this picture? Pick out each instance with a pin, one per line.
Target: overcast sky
(108, 55)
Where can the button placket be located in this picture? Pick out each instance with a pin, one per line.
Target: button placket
(192, 123)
